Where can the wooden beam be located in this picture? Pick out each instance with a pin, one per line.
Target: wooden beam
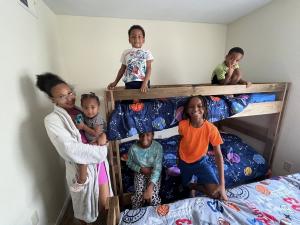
(164, 91)
(260, 108)
(113, 215)
(274, 128)
(249, 129)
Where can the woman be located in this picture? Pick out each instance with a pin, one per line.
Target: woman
(70, 144)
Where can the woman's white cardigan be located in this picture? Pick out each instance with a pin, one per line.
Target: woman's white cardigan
(67, 140)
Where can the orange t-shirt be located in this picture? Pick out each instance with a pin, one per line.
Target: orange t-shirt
(194, 141)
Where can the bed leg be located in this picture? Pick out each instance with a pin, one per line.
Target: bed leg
(113, 215)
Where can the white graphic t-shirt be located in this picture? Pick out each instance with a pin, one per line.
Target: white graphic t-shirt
(135, 61)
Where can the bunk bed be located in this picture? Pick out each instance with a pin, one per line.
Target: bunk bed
(267, 135)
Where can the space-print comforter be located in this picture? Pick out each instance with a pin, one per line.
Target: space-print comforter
(153, 115)
(242, 164)
(271, 201)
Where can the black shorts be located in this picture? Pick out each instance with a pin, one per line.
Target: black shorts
(135, 84)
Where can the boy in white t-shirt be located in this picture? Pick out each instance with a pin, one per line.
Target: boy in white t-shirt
(136, 62)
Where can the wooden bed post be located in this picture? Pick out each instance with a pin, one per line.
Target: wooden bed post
(108, 110)
(274, 128)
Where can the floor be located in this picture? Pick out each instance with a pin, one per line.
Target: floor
(68, 218)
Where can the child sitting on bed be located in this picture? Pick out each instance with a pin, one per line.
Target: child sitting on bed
(136, 62)
(94, 127)
(196, 134)
(229, 71)
(145, 159)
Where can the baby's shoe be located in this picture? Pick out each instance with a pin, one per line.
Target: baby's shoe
(77, 187)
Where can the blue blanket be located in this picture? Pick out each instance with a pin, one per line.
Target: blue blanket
(153, 115)
(242, 164)
(272, 201)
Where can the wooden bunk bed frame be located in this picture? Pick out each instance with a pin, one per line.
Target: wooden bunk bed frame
(268, 135)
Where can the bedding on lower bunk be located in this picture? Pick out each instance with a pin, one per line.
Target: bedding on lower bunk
(242, 164)
(153, 115)
(271, 201)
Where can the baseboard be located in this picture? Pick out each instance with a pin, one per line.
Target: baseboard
(63, 210)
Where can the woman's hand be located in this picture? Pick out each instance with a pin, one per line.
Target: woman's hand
(80, 126)
(146, 171)
(148, 192)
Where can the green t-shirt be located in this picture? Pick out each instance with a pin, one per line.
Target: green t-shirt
(221, 70)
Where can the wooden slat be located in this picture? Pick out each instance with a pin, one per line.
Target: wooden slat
(249, 129)
(274, 128)
(119, 172)
(112, 169)
(164, 91)
(113, 215)
(261, 108)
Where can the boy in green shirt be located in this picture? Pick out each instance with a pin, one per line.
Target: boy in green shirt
(229, 71)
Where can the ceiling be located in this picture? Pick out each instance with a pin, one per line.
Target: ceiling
(204, 11)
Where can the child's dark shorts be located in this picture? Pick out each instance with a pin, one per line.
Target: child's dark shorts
(135, 84)
(215, 80)
(200, 169)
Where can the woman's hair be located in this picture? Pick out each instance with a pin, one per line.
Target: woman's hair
(186, 106)
(91, 95)
(45, 82)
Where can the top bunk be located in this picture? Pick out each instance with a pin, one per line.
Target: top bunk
(185, 90)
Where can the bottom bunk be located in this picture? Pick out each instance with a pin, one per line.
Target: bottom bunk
(271, 201)
(242, 164)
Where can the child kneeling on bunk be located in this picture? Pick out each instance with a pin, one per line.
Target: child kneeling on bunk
(196, 134)
(145, 159)
(229, 71)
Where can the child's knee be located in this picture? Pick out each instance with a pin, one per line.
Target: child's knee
(236, 76)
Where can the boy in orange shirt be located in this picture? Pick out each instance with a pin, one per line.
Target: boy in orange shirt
(196, 134)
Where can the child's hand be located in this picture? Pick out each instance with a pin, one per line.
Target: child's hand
(146, 171)
(248, 84)
(80, 125)
(148, 192)
(112, 85)
(144, 88)
(230, 70)
(102, 140)
(220, 193)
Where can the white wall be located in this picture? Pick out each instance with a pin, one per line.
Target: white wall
(270, 38)
(183, 52)
(32, 176)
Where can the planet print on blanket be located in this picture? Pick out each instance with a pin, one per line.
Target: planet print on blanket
(132, 216)
(238, 192)
(258, 159)
(233, 157)
(222, 221)
(183, 222)
(262, 189)
(136, 107)
(132, 132)
(248, 171)
(162, 210)
(159, 123)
